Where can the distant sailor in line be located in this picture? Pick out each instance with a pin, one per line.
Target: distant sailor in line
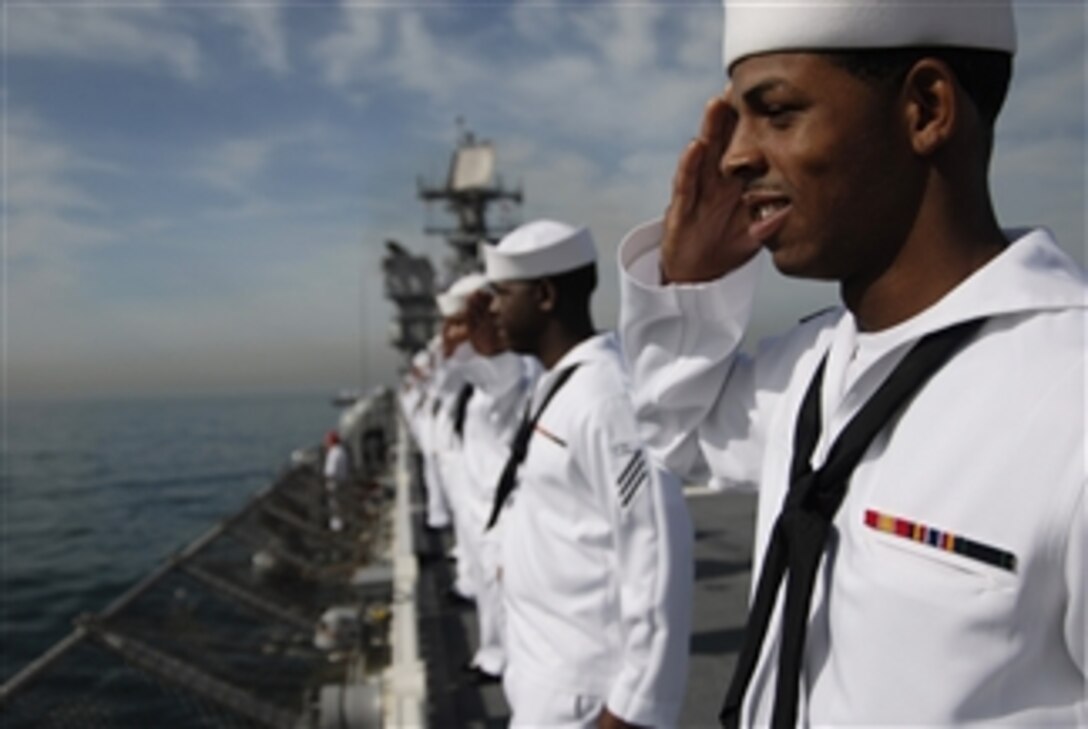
(452, 394)
(428, 424)
(597, 543)
(919, 452)
(484, 421)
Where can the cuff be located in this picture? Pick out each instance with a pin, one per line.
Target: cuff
(725, 300)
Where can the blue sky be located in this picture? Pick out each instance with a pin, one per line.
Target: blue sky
(196, 194)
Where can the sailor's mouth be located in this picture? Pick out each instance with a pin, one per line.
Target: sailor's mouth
(767, 215)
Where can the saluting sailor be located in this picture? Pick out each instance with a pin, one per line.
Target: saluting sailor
(484, 423)
(920, 452)
(454, 392)
(597, 543)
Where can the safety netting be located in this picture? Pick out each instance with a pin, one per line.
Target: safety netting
(248, 626)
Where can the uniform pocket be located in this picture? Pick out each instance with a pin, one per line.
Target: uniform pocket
(920, 567)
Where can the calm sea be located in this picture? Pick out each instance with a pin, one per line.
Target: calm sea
(96, 493)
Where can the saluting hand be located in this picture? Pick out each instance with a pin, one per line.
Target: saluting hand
(706, 227)
(482, 331)
(454, 331)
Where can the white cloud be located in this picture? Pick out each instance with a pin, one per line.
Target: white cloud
(627, 35)
(242, 167)
(347, 57)
(263, 32)
(234, 165)
(587, 73)
(41, 201)
(135, 35)
(383, 46)
(423, 60)
(539, 24)
(609, 85)
(49, 236)
(700, 31)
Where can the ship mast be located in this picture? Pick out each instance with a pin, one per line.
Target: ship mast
(471, 189)
(466, 198)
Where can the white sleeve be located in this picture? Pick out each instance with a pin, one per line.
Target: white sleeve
(653, 539)
(495, 375)
(507, 382)
(438, 503)
(681, 342)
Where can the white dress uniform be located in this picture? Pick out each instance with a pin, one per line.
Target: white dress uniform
(458, 482)
(502, 384)
(336, 466)
(597, 550)
(433, 426)
(453, 479)
(912, 621)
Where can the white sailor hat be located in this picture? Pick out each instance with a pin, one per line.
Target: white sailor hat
(538, 249)
(766, 26)
(454, 300)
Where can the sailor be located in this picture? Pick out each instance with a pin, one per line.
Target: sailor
(501, 382)
(337, 473)
(597, 544)
(452, 393)
(427, 423)
(919, 451)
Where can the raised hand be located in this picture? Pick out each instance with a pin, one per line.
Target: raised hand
(482, 332)
(706, 227)
(454, 331)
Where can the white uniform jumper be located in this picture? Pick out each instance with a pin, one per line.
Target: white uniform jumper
(597, 550)
(503, 384)
(430, 428)
(452, 479)
(952, 591)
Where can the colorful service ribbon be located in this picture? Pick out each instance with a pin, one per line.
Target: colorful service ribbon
(946, 541)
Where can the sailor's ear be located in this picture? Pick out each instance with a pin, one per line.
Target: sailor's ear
(547, 294)
(930, 94)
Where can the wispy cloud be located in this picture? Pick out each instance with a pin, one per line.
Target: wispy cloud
(136, 35)
(260, 171)
(43, 204)
(263, 32)
(347, 57)
(627, 36)
(607, 73)
(382, 46)
(235, 165)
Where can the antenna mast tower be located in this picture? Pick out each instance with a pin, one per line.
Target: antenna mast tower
(471, 188)
(466, 197)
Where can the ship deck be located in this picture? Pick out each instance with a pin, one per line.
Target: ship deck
(723, 538)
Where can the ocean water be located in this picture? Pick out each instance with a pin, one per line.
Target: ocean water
(95, 494)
